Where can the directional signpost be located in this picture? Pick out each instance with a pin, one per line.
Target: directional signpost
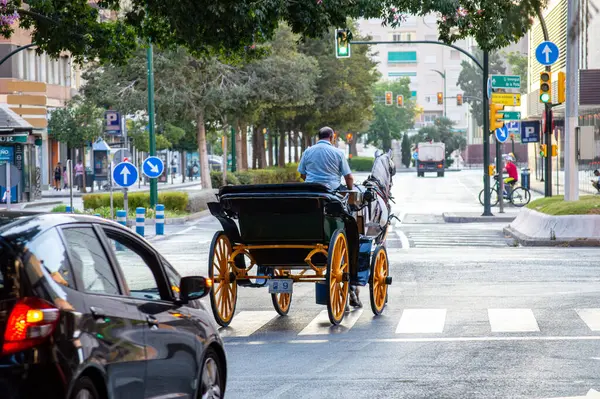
(506, 82)
(547, 53)
(511, 115)
(502, 134)
(510, 99)
(125, 174)
(153, 167)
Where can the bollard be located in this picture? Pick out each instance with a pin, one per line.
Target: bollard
(122, 220)
(69, 209)
(160, 219)
(140, 215)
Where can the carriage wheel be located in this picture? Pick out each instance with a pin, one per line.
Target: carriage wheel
(380, 269)
(223, 295)
(336, 277)
(281, 302)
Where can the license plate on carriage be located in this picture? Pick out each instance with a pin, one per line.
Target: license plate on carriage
(280, 286)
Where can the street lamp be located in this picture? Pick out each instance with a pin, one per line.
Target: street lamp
(443, 75)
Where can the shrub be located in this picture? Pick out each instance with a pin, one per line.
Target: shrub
(172, 200)
(216, 179)
(269, 176)
(361, 164)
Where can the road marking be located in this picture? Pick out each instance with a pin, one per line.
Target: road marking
(321, 325)
(512, 320)
(591, 317)
(403, 239)
(247, 322)
(415, 321)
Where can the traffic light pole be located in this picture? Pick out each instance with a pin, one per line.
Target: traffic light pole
(486, 139)
(548, 127)
(152, 136)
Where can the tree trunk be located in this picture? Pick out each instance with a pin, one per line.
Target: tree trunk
(260, 147)
(83, 183)
(224, 163)
(270, 149)
(296, 146)
(244, 142)
(281, 160)
(289, 146)
(353, 149)
(203, 153)
(255, 153)
(182, 166)
(238, 146)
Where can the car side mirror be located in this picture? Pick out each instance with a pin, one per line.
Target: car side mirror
(194, 287)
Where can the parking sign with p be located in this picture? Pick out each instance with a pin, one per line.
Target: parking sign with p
(113, 122)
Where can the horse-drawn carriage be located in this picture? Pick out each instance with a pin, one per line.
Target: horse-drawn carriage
(302, 232)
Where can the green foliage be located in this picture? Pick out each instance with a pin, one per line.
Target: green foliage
(288, 174)
(361, 164)
(77, 124)
(172, 200)
(217, 179)
(405, 149)
(442, 131)
(518, 65)
(390, 120)
(557, 206)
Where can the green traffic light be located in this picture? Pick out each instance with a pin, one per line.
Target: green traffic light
(545, 97)
(343, 50)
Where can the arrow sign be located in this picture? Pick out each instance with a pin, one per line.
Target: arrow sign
(511, 116)
(510, 99)
(502, 134)
(153, 167)
(506, 82)
(125, 174)
(547, 53)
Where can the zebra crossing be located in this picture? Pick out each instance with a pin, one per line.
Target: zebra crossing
(417, 322)
(451, 236)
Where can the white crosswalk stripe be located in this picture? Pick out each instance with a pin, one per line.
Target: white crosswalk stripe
(445, 236)
(422, 321)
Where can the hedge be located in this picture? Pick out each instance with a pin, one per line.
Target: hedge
(272, 175)
(172, 200)
(216, 179)
(361, 164)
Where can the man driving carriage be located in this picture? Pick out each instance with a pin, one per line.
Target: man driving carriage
(323, 163)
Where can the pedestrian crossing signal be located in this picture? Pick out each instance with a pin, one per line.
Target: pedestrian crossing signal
(388, 98)
(440, 98)
(349, 137)
(400, 101)
(342, 43)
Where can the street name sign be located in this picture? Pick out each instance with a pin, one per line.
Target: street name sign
(510, 99)
(502, 134)
(125, 174)
(547, 53)
(506, 82)
(530, 132)
(153, 167)
(511, 116)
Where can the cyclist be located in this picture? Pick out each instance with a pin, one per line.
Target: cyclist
(513, 175)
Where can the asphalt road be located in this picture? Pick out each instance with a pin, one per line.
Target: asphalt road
(470, 315)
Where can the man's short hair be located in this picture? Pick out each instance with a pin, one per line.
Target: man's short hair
(596, 171)
(325, 133)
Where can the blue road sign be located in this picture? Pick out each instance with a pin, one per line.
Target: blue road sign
(153, 167)
(547, 53)
(502, 134)
(113, 122)
(415, 155)
(530, 132)
(513, 126)
(125, 174)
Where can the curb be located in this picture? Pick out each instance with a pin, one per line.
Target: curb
(477, 219)
(173, 221)
(40, 204)
(527, 241)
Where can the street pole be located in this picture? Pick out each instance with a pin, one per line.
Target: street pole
(152, 137)
(233, 149)
(572, 105)
(445, 102)
(486, 139)
(499, 172)
(548, 128)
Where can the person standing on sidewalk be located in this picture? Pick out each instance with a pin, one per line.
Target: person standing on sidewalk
(57, 177)
(79, 174)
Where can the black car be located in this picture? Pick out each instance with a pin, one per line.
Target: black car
(88, 309)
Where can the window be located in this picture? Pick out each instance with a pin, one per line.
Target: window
(404, 36)
(138, 274)
(89, 261)
(402, 57)
(173, 276)
(51, 253)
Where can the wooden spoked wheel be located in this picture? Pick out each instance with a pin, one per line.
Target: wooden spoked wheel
(223, 295)
(336, 277)
(281, 302)
(380, 269)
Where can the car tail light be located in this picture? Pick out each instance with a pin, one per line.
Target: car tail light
(421, 166)
(440, 166)
(30, 322)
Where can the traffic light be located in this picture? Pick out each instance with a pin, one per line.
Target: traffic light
(545, 87)
(562, 87)
(491, 170)
(342, 43)
(349, 137)
(388, 98)
(440, 97)
(400, 101)
(459, 99)
(495, 118)
(543, 150)
(554, 150)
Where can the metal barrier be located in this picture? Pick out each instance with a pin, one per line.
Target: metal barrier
(160, 219)
(140, 220)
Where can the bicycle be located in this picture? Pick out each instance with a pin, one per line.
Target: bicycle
(519, 196)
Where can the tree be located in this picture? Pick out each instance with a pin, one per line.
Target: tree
(405, 149)
(470, 81)
(390, 121)
(77, 124)
(518, 65)
(442, 131)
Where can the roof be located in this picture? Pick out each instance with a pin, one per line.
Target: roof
(10, 120)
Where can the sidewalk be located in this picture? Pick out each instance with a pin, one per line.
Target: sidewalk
(585, 187)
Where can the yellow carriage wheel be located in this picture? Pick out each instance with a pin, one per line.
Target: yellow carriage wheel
(223, 295)
(281, 302)
(337, 277)
(380, 270)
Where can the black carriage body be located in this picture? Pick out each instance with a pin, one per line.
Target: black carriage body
(286, 215)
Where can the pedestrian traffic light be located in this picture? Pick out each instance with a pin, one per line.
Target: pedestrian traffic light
(440, 97)
(543, 150)
(491, 170)
(554, 150)
(388, 98)
(459, 99)
(349, 137)
(545, 87)
(495, 117)
(400, 101)
(342, 43)
(562, 87)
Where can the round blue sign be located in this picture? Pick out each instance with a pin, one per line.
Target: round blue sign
(502, 134)
(153, 167)
(547, 53)
(125, 174)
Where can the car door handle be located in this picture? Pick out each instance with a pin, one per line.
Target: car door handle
(97, 312)
(152, 322)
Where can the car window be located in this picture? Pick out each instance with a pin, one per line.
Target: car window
(137, 272)
(90, 262)
(173, 276)
(48, 248)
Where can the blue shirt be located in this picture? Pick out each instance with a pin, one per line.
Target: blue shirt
(325, 164)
